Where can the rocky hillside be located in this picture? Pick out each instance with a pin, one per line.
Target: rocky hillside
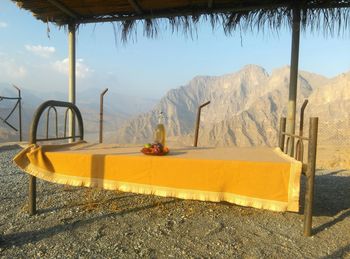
(332, 104)
(245, 107)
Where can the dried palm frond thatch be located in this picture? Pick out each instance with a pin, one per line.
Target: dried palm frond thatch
(330, 22)
(332, 17)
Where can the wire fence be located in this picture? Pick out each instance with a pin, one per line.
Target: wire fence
(335, 133)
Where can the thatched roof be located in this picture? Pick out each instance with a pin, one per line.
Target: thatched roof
(332, 15)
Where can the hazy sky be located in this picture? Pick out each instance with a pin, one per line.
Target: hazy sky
(148, 67)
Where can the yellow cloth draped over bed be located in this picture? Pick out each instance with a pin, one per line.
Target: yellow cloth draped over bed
(257, 177)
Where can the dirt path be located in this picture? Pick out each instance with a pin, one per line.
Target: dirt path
(80, 222)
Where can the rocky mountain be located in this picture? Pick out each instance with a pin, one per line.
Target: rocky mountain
(331, 103)
(333, 99)
(245, 107)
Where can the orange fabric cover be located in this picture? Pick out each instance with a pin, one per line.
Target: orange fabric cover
(257, 177)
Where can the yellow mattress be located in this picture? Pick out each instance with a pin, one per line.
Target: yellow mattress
(257, 177)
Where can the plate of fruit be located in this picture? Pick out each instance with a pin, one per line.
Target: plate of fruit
(155, 149)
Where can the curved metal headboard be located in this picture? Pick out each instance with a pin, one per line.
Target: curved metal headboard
(51, 105)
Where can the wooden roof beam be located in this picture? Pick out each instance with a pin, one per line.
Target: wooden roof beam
(64, 9)
(136, 6)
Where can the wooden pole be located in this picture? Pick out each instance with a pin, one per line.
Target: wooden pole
(72, 76)
(293, 79)
(101, 115)
(310, 176)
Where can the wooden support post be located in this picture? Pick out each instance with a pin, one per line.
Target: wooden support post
(293, 79)
(72, 77)
(32, 195)
(101, 115)
(310, 176)
(281, 136)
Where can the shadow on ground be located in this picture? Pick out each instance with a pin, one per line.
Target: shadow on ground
(33, 236)
(331, 194)
(331, 198)
(340, 253)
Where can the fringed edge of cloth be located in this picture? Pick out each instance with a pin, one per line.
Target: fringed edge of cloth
(188, 194)
(294, 180)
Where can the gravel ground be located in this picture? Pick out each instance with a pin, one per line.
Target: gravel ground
(80, 222)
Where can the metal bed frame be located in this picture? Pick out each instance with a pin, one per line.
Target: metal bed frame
(286, 144)
(285, 140)
(50, 105)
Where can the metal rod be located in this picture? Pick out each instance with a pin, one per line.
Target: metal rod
(48, 120)
(72, 76)
(65, 122)
(33, 140)
(299, 150)
(295, 136)
(302, 111)
(58, 138)
(281, 136)
(18, 104)
(8, 98)
(101, 115)
(198, 122)
(32, 195)
(304, 168)
(287, 144)
(310, 176)
(293, 78)
(12, 111)
(19, 111)
(41, 109)
(8, 124)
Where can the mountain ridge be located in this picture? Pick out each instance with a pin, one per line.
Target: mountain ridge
(244, 110)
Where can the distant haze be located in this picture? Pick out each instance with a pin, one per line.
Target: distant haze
(244, 111)
(117, 109)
